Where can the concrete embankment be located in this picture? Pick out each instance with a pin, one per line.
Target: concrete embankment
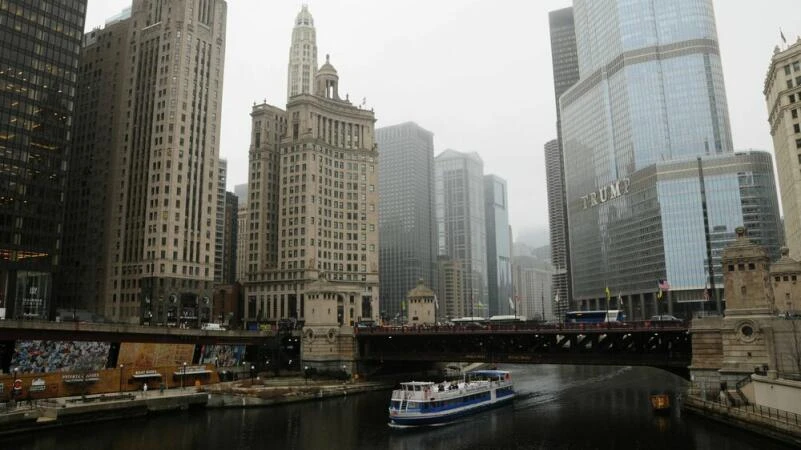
(268, 393)
(63, 411)
(779, 425)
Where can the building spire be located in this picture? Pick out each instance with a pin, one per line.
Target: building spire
(302, 55)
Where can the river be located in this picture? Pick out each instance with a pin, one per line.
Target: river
(561, 407)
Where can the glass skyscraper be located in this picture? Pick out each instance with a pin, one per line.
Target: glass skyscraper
(499, 246)
(642, 206)
(40, 44)
(461, 233)
(406, 219)
(565, 74)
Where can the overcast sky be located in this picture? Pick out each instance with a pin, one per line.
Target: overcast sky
(477, 73)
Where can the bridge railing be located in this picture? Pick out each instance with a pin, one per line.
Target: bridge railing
(765, 412)
(571, 327)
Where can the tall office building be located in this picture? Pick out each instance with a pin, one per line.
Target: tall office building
(461, 232)
(38, 69)
(564, 58)
(302, 55)
(242, 237)
(406, 218)
(152, 78)
(313, 217)
(230, 237)
(499, 246)
(653, 186)
(783, 96)
(533, 288)
(219, 237)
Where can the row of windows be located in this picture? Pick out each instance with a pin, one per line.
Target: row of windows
(796, 67)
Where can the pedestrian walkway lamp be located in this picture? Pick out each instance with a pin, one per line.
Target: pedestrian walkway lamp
(183, 375)
(306, 374)
(121, 367)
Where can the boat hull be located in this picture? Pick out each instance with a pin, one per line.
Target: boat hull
(447, 417)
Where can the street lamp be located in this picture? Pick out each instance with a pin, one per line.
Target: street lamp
(306, 374)
(252, 371)
(183, 375)
(121, 367)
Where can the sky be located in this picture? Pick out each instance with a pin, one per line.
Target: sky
(477, 73)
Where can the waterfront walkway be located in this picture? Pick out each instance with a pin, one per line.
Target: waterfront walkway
(781, 425)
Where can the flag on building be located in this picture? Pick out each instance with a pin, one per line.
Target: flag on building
(511, 303)
(608, 294)
(781, 33)
(663, 286)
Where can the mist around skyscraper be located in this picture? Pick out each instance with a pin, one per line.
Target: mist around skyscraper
(650, 192)
(654, 188)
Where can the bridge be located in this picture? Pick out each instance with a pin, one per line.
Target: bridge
(665, 345)
(12, 330)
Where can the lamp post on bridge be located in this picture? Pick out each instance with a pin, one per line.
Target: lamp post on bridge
(122, 366)
(183, 375)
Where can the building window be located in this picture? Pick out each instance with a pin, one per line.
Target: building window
(794, 113)
(787, 69)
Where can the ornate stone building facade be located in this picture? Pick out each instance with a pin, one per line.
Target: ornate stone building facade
(313, 218)
(153, 166)
(758, 332)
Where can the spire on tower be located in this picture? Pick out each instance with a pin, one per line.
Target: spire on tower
(302, 55)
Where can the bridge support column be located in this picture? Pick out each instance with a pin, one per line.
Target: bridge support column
(629, 308)
(642, 306)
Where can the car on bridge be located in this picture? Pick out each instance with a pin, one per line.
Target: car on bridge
(665, 318)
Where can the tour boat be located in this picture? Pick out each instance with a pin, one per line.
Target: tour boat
(419, 403)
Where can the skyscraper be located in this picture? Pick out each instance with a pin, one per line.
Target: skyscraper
(38, 71)
(230, 237)
(219, 237)
(302, 55)
(242, 237)
(653, 187)
(461, 233)
(153, 78)
(564, 58)
(406, 218)
(499, 246)
(313, 216)
(783, 96)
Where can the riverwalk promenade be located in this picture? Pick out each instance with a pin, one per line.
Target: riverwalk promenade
(25, 416)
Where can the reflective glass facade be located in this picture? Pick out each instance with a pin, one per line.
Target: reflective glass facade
(39, 49)
(565, 74)
(499, 246)
(651, 94)
(406, 219)
(461, 235)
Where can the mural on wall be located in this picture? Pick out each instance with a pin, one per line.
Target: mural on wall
(223, 355)
(59, 356)
(147, 355)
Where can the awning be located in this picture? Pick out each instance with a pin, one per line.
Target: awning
(147, 375)
(192, 372)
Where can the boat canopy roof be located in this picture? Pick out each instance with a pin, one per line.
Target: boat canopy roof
(419, 385)
(493, 374)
